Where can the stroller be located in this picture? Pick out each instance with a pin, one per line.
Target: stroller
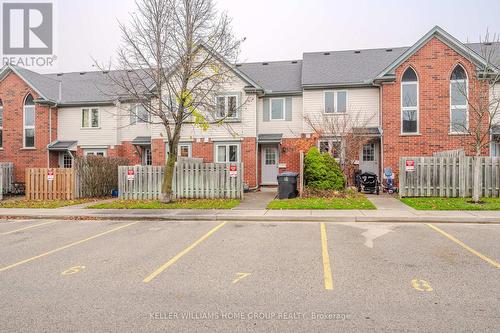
(367, 182)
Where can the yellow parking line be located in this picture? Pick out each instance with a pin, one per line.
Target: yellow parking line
(327, 271)
(65, 247)
(465, 246)
(181, 254)
(26, 228)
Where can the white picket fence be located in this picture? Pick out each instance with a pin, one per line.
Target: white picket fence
(192, 180)
(7, 176)
(447, 177)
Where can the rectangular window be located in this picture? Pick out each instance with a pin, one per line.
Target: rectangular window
(331, 146)
(29, 126)
(277, 109)
(227, 153)
(183, 150)
(335, 101)
(139, 115)
(409, 105)
(227, 106)
(90, 118)
(95, 152)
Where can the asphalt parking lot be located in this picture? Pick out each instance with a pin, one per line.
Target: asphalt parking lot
(236, 276)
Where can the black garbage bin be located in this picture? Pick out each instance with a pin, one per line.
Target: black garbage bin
(287, 185)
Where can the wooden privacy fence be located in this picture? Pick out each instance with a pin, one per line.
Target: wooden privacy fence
(7, 178)
(50, 184)
(447, 176)
(192, 180)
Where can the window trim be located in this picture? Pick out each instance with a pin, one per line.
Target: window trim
(271, 108)
(90, 118)
(410, 108)
(226, 106)
(29, 127)
(92, 151)
(136, 117)
(181, 143)
(335, 101)
(227, 144)
(61, 159)
(460, 107)
(330, 142)
(145, 156)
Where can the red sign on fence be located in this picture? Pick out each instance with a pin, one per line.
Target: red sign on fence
(130, 175)
(410, 166)
(233, 171)
(50, 175)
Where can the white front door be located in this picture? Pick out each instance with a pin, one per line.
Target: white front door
(270, 164)
(369, 161)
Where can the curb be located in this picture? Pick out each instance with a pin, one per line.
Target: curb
(361, 219)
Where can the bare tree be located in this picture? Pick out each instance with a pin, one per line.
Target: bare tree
(173, 61)
(475, 105)
(346, 134)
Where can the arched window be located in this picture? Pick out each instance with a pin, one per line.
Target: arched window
(1, 124)
(409, 102)
(29, 122)
(458, 101)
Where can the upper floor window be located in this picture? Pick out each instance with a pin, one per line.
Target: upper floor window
(409, 102)
(227, 106)
(29, 122)
(335, 101)
(1, 124)
(139, 115)
(458, 100)
(90, 118)
(277, 109)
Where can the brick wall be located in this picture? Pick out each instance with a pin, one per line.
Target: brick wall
(13, 91)
(433, 63)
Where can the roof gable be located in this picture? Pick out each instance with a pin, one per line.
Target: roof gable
(444, 37)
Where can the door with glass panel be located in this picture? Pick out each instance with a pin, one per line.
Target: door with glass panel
(270, 165)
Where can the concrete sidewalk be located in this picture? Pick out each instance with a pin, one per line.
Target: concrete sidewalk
(257, 215)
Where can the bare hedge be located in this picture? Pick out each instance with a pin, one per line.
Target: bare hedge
(97, 176)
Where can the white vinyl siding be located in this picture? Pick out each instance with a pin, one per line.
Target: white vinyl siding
(289, 129)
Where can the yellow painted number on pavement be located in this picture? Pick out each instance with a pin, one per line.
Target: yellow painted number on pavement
(421, 285)
(73, 270)
(240, 276)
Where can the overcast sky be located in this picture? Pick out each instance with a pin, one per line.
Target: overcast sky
(283, 29)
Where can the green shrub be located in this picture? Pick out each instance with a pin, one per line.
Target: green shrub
(322, 172)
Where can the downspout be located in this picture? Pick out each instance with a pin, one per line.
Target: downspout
(50, 122)
(256, 144)
(381, 105)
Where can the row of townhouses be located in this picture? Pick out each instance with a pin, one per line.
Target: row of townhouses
(403, 95)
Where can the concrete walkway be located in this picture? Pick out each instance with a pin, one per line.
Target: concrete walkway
(387, 202)
(257, 215)
(257, 200)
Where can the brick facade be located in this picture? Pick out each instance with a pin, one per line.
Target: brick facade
(13, 91)
(433, 63)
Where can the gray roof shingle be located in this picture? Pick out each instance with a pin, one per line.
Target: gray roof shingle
(275, 76)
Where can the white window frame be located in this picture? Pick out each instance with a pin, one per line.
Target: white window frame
(330, 142)
(136, 118)
(226, 106)
(227, 145)
(410, 108)
(271, 109)
(61, 159)
(187, 144)
(29, 127)
(145, 156)
(460, 107)
(91, 151)
(90, 118)
(335, 101)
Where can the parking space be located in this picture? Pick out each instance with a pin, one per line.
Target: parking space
(81, 276)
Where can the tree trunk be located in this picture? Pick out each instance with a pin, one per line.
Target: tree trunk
(476, 181)
(166, 189)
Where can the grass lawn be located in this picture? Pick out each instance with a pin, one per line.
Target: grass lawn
(349, 202)
(42, 203)
(451, 203)
(180, 204)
